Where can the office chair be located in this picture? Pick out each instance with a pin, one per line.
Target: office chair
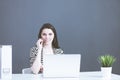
(26, 71)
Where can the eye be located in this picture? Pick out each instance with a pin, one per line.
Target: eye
(43, 34)
(50, 34)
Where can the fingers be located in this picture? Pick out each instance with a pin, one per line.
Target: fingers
(39, 43)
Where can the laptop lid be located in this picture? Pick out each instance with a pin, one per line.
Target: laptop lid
(61, 65)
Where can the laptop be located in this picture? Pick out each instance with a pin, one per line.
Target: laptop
(61, 65)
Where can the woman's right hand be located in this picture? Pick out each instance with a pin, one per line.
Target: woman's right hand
(41, 69)
(39, 43)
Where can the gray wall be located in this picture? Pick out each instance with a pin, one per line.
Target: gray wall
(91, 27)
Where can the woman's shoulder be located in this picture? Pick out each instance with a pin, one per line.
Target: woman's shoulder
(34, 51)
(34, 48)
(58, 51)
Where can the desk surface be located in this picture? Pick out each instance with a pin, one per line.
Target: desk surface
(94, 75)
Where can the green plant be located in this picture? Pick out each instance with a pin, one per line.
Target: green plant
(106, 60)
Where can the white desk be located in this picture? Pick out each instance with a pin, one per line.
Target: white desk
(94, 75)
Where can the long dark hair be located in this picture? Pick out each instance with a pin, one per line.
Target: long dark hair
(50, 26)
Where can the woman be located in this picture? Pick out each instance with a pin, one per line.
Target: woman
(47, 44)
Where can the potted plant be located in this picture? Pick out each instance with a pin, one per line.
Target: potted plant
(106, 62)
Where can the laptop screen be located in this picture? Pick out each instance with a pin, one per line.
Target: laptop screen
(61, 65)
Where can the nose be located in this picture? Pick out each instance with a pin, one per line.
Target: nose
(47, 36)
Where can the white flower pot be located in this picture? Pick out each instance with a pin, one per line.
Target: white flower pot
(106, 72)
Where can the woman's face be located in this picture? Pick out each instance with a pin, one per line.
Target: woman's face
(47, 35)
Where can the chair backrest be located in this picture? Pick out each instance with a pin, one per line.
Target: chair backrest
(26, 71)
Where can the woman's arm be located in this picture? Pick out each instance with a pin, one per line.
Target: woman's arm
(36, 65)
(35, 60)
